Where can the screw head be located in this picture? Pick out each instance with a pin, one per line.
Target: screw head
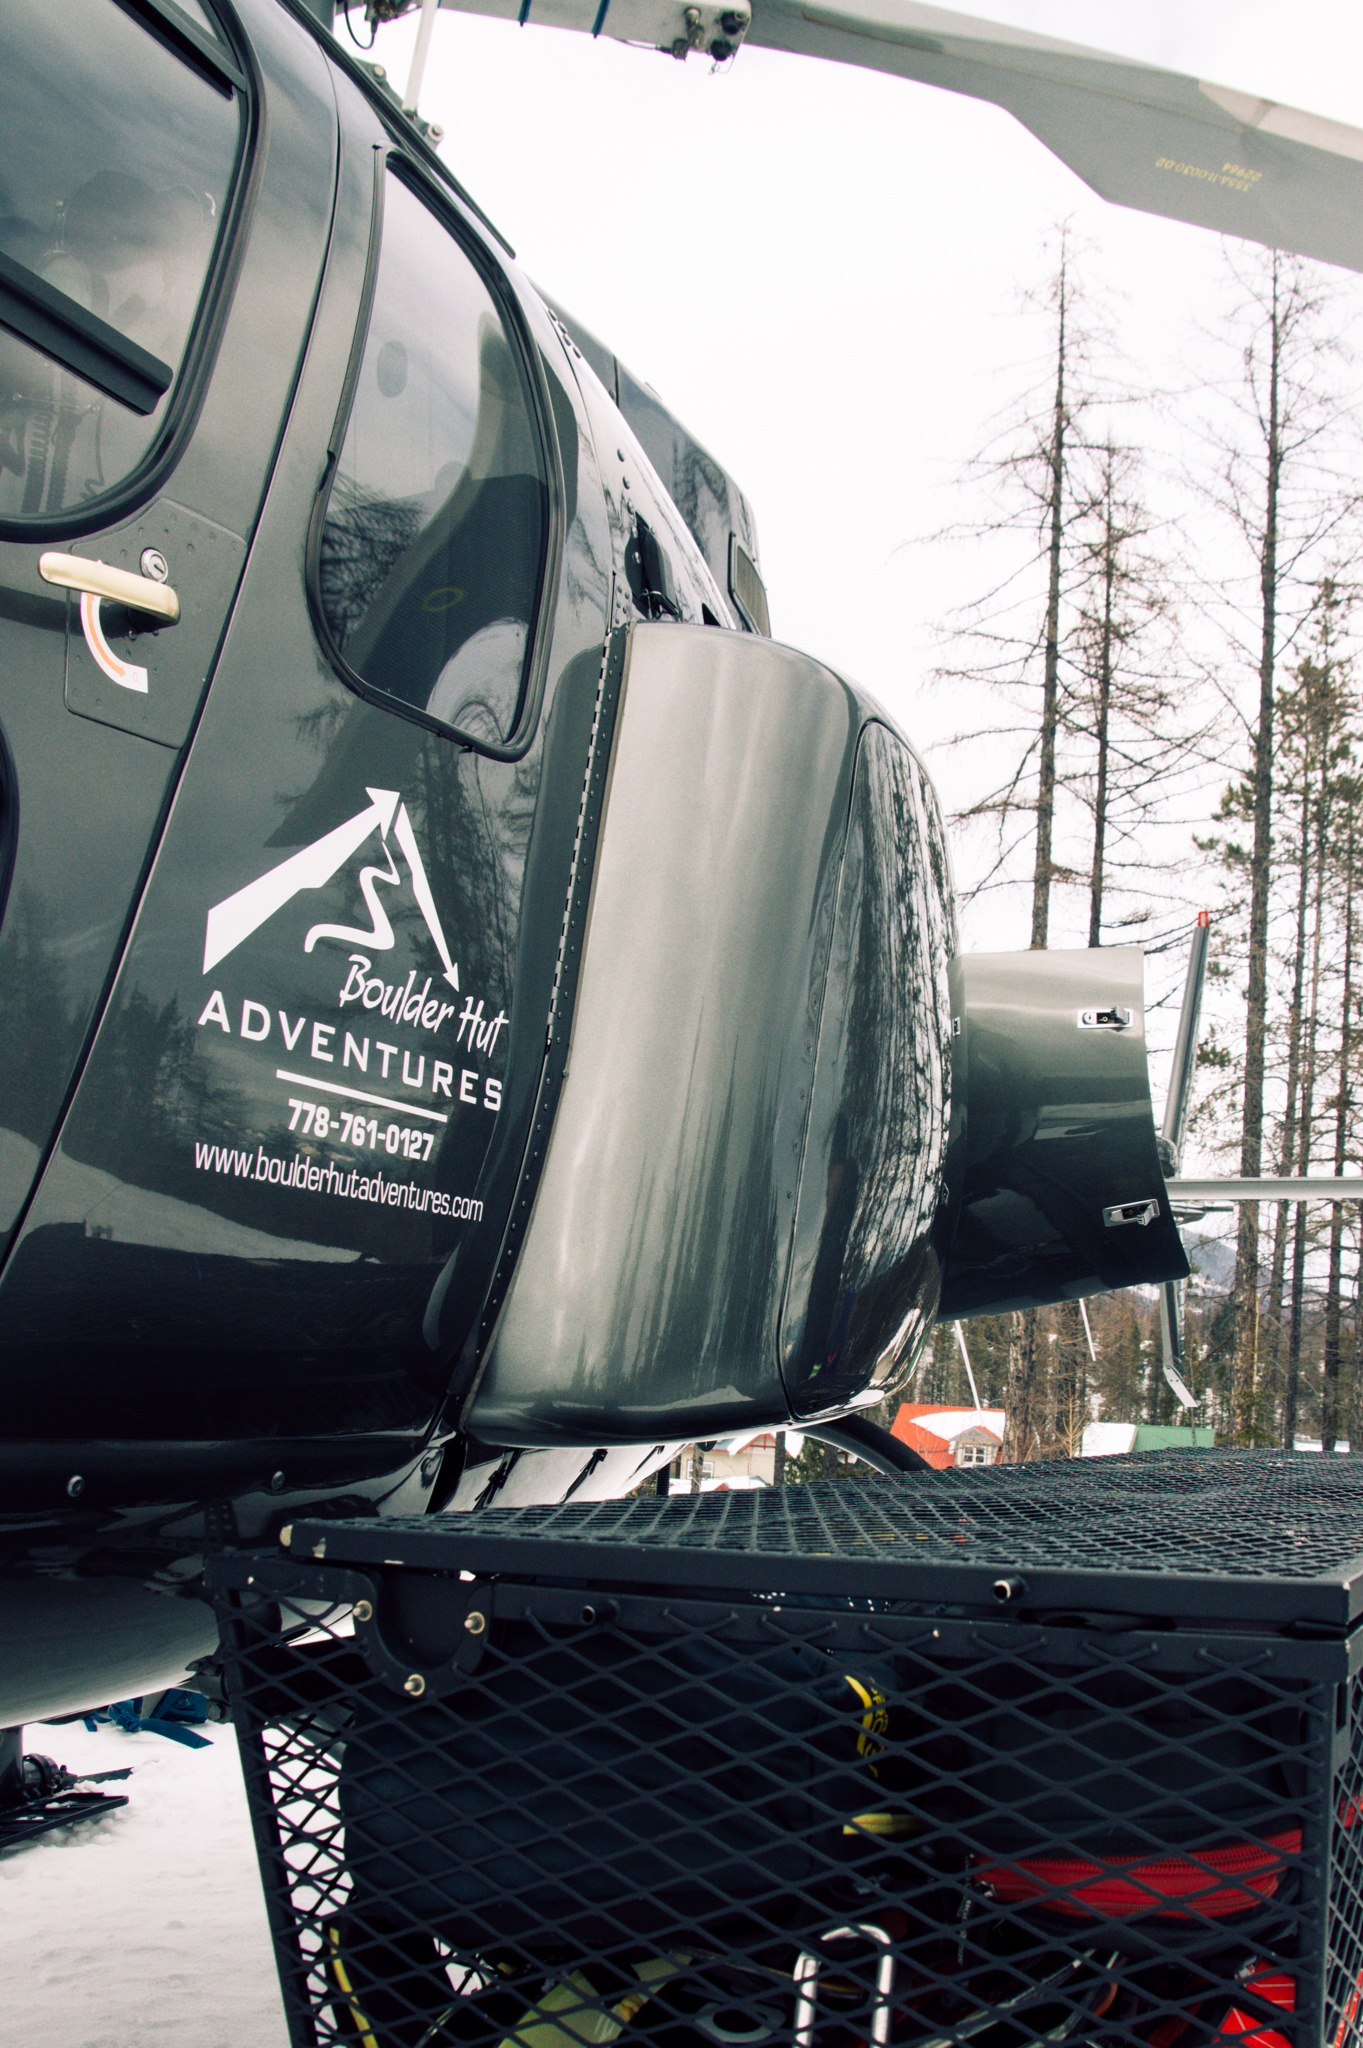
(415, 1685)
(364, 1610)
(75, 1486)
(475, 1622)
(155, 565)
(276, 1482)
(286, 1534)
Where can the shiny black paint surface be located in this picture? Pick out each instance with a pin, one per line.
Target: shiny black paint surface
(709, 501)
(215, 1312)
(153, 1294)
(1058, 1129)
(649, 1284)
(866, 1260)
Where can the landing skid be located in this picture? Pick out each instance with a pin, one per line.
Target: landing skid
(49, 1798)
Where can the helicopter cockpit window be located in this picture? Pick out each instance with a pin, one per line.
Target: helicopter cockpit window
(120, 139)
(433, 539)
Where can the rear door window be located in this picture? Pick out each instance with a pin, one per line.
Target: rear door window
(432, 539)
(121, 132)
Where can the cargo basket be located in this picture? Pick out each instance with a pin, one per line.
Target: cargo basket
(1066, 1752)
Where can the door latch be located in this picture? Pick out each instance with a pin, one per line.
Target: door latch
(1131, 1212)
(1113, 1017)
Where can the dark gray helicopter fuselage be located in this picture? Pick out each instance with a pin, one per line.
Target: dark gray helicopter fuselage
(476, 994)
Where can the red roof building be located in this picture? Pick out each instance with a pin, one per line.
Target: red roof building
(950, 1436)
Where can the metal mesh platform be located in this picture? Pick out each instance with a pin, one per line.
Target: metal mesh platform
(534, 1810)
(1179, 1533)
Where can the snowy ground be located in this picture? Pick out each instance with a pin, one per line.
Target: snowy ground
(148, 1927)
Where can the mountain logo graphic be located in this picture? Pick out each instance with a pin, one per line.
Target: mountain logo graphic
(234, 919)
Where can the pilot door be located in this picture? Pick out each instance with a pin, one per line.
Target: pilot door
(143, 237)
(287, 1152)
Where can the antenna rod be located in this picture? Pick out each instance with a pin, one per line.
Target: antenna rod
(419, 55)
(1185, 1045)
(1324, 1187)
(1084, 1314)
(965, 1355)
(1171, 1343)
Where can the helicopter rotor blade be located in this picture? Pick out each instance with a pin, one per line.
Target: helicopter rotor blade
(1142, 137)
(1159, 141)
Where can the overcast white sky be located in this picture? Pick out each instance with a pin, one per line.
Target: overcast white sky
(820, 271)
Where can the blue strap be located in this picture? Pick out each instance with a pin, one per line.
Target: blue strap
(176, 1709)
(175, 1731)
(600, 21)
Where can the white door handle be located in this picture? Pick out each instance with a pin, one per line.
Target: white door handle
(120, 586)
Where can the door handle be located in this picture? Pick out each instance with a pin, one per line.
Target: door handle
(119, 586)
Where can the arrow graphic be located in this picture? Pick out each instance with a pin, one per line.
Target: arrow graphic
(237, 916)
(126, 673)
(421, 889)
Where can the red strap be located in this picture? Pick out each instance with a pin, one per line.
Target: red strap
(1209, 1883)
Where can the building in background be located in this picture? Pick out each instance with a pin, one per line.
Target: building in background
(950, 1436)
(1110, 1439)
(732, 1464)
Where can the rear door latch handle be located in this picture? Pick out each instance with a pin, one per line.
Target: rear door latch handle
(1131, 1212)
(96, 581)
(1111, 1017)
(120, 586)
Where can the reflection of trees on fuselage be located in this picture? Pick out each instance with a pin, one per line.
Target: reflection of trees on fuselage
(458, 810)
(36, 1021)
(893, 1094)
(694, 1293)
(150, 1093)
(362, 541)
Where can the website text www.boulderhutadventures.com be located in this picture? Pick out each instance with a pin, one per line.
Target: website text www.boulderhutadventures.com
(348, 1183)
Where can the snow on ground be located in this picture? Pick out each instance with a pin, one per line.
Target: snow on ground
(146, 1929)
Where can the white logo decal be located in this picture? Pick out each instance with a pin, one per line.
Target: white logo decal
(234, 919)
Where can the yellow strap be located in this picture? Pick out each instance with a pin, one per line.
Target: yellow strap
(875, 1720)
(569, 2015)
(338, 1971)
(892, 1825)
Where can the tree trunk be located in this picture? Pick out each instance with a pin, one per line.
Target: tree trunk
(1050, 693)
(1103, 714)
(1297, 1290)
(1252, 1115)
(778, 1463)
(1294, 1028)
(1356, 1381)
(1071, 1398)
(1329, 1417)
(1017, 1427)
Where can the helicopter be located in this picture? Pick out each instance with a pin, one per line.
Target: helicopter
(443, 1060)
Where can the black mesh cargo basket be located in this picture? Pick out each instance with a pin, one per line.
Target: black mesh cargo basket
(1069, 1752)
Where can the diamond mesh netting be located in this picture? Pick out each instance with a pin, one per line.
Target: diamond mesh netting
(542, 1810)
